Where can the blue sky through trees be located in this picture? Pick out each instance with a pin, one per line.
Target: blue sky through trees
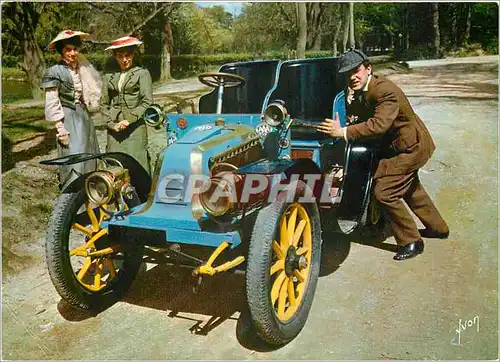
(231, 7)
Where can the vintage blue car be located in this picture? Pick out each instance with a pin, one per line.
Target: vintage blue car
(246, 183)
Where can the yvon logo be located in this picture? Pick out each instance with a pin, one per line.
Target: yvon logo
(463, 325)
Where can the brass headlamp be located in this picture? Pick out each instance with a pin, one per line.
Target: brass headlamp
(275, 113)
(102, 185)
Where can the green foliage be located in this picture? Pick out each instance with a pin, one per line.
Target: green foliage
(191, 64)
(484, 28)
(376, 24)
(13, 73)
(201, 31)
(10, 61)
(263, 30)
(266, 26)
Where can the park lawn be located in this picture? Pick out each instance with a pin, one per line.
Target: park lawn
(19, 124)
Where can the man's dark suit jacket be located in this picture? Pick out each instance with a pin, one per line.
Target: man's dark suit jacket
(405, 144)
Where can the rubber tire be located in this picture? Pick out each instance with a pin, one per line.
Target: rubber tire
(258, 282)
(59, 266)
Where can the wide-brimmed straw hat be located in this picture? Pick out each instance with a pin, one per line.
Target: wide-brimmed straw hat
(125, 41)
(66, 34)
(351, 59)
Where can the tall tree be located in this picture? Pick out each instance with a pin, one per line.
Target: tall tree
(345, 21)
(468, 23)
(168, 46)
(454, 25)
(352, 43)
(302, 36)
(435, 25)
(21, 20)
(315, 24)
(338, 27)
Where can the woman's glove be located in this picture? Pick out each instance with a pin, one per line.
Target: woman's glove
(62, 134)
(121, 125)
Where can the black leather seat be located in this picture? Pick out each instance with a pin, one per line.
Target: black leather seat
(308, 87)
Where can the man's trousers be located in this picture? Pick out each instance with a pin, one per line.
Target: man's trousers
(390, 191)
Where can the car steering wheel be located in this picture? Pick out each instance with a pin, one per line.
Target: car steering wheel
(217, 79)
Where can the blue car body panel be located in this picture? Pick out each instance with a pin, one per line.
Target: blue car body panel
(194, 138)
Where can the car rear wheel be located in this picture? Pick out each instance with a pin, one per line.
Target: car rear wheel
(86, 268)
(283, 267)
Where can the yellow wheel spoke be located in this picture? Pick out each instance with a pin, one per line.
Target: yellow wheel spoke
(102, 213)
(89, 244)
(287, 292)
(278, 251)
(84, 269)
(291, 292)
(111, 267)
(282, 298)
(298, 232)
(97, 276)
(78, 252)
(275, 291)
(279, 265)
(299, 276)
(283, 233)
(302, 250)
(106, 251)
(83, 229)
(291, 226)
(93, 218)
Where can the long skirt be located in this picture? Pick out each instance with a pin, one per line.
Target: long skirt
(133, 141)
(82, 139)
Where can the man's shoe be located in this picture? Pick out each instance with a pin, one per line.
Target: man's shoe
(431, 234)
(409, 250)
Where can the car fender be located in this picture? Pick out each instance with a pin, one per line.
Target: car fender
(139, 177)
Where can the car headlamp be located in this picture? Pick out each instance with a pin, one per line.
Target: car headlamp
(101, 186)
(275, 114)
(216, 199)
(153, 115)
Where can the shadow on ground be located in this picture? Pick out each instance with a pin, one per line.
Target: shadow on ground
(218, 298)
(35, 146)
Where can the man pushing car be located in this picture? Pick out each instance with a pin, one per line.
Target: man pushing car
(378, 110)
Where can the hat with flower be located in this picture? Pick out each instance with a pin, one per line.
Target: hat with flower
(67, 34)
(125, 41)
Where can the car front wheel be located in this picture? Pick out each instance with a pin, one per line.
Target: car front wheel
(88, 270)
(283, 267)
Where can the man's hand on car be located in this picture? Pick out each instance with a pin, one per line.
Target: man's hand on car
(331, 127)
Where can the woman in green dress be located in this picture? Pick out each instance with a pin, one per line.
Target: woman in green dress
(72, 88)
(126, 94)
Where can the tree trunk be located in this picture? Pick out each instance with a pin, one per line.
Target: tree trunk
(468, 24)
(315, 26)
(336, 36)
(407, 28)
(168, 46)
(352, 43)
(454, 28)
(317, 42)
(338, 26)
(25, 16)
(435, 25)
(302, 37)
(33, 65)
(345, 12)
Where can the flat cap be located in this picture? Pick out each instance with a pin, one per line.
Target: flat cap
(351, 59)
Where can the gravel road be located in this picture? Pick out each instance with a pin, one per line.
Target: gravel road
(367, 306)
